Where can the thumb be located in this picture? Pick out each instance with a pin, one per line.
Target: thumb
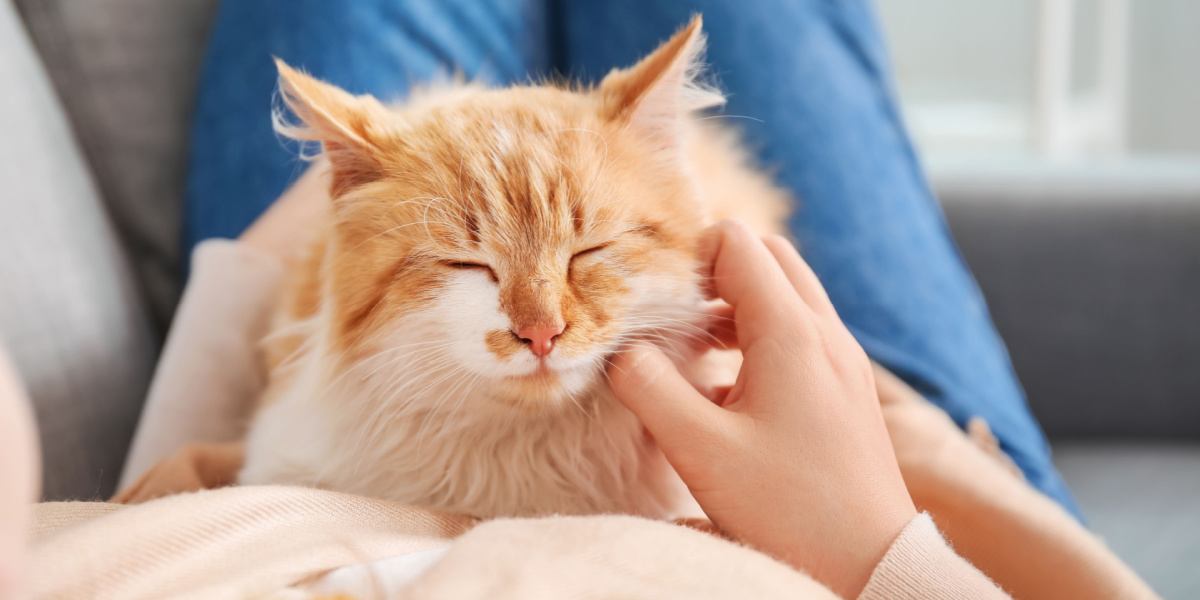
(682, 421)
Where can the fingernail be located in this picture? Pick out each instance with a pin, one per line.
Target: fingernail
(648, 362)
(640, 354)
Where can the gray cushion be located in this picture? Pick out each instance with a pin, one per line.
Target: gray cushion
(1141, 498)
(126, 71)
(1093, 278)
(70, 312)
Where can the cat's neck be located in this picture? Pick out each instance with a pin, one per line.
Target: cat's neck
(415, 436)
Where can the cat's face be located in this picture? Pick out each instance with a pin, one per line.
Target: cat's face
(511, 239)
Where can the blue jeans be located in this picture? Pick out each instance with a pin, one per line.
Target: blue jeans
(811, 75)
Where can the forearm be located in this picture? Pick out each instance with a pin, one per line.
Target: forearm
(1021, 538)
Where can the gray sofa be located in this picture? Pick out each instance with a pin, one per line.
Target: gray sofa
(1096, 296)
(1093, 279)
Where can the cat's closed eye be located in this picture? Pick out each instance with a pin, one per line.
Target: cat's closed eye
(590, 251)
(468, 265)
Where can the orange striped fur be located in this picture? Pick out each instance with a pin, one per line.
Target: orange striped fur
(463, 218)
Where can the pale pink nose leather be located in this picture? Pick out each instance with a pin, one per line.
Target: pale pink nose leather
(540, 338)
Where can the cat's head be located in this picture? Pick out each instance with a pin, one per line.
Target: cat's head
(510, 239)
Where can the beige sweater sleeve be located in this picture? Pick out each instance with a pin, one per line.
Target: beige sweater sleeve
(210, 371)
(921, 565)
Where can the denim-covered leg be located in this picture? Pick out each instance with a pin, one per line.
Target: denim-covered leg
(238, 165)
(812, 78)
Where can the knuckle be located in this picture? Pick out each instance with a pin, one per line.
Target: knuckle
(802, 324)
(736, 231)
(776, 241)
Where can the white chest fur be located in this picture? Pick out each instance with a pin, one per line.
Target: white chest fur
(479, 458)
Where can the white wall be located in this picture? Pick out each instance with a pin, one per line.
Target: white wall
(963, 51)
(1165, 105)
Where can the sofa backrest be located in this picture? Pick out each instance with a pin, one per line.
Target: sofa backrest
(126, 71)
(1093, 279)
(72, 314)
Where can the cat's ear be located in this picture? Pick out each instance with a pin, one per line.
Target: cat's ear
(347, 126)
(657, 92)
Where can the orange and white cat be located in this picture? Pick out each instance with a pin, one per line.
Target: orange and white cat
(445, 344)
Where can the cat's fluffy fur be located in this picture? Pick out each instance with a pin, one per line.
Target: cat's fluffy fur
(461, 217)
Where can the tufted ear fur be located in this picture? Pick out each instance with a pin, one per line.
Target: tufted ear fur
(656, 93)
(347, 126)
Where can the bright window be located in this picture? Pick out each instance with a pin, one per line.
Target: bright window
(1049, 81)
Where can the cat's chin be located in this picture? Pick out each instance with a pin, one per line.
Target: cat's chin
(545, 390)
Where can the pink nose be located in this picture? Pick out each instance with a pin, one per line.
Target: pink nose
(540, 338)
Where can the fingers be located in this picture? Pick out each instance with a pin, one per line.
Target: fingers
(682, 420)
(747, 276)
(719, 395)
(801, 276)
(720, 330)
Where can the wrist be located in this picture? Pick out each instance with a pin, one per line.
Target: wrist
(864, 550)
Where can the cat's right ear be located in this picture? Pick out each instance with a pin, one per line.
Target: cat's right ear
(347, 126)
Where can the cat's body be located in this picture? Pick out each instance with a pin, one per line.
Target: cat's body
(444, 345)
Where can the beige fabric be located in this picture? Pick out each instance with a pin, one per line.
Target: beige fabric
(604, 557)
(920, 566)
(228, 543)
(53, 517)
(210, 372)
(607, 557)
(249, 541)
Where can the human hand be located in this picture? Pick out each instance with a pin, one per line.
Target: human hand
(794, 459)
(284, 230)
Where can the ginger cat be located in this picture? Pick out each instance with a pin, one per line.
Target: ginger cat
(445, 344)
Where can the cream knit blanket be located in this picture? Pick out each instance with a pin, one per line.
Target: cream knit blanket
(256, 541)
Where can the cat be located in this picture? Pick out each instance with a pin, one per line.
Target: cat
(445, 342)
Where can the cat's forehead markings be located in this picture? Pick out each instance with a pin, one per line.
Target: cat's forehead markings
(577, 217)
(472, 225)
(501, 147)
(648, 229)
(506, 142)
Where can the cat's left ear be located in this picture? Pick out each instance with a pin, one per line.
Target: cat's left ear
(656, 93)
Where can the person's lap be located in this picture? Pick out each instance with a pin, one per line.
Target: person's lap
(808, 85)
